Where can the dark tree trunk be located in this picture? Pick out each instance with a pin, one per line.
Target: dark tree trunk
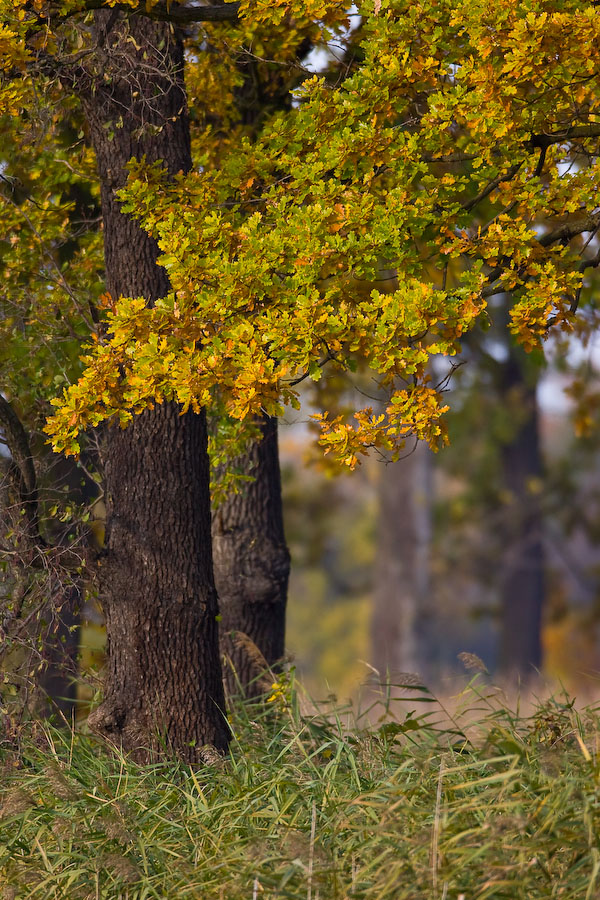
(252, 565)
(51, 671)
(522, 583)
(402, 566)
(163, 672)
(60, 637)
(250, 553)
(159, 598)
(60, 642)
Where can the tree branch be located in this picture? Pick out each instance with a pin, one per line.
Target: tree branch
(569, 230)
(18, 444)
(564, 232)
(487, 190)
(569, 134)
(22, 470)
(170, 12)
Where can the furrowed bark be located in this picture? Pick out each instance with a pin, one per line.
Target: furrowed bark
(163, 679)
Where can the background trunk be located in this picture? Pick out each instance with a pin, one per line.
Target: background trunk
(522, 585)
(60, 637)
(163, 671)
(251, 558)
(252, 565)
(402, 565)
(60, 641)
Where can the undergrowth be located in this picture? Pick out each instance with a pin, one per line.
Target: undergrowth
(405, 802)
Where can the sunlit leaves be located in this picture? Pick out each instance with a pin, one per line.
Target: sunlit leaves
(367, 223)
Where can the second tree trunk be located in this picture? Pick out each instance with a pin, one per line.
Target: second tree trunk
(252, 565)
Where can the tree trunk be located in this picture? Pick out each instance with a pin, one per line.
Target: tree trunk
(163, 676)
(250, 553)
(402, 566)
(252, 565)
(522, 584)
(59, 639)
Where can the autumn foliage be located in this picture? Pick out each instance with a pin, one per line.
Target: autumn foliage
(447, 153)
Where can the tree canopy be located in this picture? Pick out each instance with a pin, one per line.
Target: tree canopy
(452, 155)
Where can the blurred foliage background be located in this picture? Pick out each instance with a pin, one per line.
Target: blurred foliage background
(476, 533)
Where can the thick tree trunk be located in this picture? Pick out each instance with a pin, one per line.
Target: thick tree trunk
(163, 675)
(402, 566)
(252, 565)
(160, 603)
(522, 583)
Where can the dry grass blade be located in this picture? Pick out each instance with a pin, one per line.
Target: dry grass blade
(258, 663)
(472, 662)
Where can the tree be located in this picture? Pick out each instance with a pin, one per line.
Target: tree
(269, 251)
(441, 89)
(159, 599)
(252, 564)
(41, 587)
(241, 605)
(402, 577)
(523, 586)
(506, 499)
(251, 558)
(50, 222)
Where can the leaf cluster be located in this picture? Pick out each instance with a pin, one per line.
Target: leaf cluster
(368, 224)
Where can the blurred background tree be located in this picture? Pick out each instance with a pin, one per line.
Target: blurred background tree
(407, 564)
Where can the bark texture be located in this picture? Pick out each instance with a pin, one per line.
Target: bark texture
(252, 566)
(522, 585)
(163, 672)
(402, 566)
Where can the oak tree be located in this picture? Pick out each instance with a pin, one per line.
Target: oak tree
(458, 147)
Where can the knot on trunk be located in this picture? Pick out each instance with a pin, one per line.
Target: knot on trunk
(108, 720)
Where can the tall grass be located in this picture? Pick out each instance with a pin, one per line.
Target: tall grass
(480, 803)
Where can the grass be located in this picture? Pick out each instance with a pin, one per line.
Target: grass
(491, 804)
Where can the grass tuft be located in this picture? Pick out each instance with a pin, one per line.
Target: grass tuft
(394, 803)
